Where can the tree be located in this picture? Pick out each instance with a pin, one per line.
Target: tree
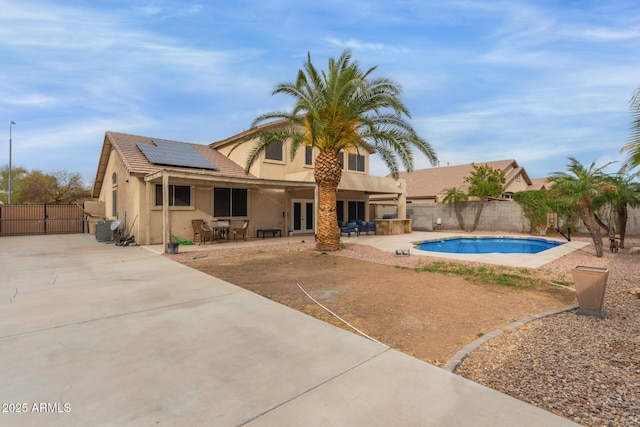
(342, 108)
(580, 185)
(59, 187)
(633, 147)
(484, 182)
(620, 192)
(456, 195)
(17, 173)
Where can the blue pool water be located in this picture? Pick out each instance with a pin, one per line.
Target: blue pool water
(488, 245)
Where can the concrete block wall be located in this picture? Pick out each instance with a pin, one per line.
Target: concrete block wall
(496, 216)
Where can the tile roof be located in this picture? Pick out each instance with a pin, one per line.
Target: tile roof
(137, 164)
(427, 183)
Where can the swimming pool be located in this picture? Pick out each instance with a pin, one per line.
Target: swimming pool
(488, 245)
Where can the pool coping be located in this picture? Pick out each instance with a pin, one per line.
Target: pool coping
(511, 260)
(555, 243)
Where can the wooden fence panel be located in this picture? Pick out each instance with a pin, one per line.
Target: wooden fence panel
(24, 220)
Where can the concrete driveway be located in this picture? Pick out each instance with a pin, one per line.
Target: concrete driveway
(92, 334)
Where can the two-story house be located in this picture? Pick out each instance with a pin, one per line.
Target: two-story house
(167, 184)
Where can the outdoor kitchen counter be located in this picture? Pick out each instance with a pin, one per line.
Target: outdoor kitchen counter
(387, 227)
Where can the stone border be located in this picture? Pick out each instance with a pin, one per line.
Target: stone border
(453, 363)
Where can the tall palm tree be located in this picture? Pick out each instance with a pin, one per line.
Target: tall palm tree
(580, 185)
(456, 195)
(633, 147)
(342, 108)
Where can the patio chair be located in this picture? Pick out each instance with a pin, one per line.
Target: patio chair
(350, 227)
(205, 233)
(200, 234)
(241, 231)
(367, 226)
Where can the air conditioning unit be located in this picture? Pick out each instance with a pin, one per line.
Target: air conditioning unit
(103, 231)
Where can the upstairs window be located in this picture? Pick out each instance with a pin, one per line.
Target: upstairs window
(308, 156)
(179, 195)
(341, 158)
(114, 179)
(274, 152)
(356, 162)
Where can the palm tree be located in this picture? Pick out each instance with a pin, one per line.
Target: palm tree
(621, 191)
(456, 195)
(634, 144)
(342, 108)
(484, 182)
(580, 185)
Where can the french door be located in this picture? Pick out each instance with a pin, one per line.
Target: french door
(302, 216)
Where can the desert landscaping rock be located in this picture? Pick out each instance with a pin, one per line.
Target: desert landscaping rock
(583, 368)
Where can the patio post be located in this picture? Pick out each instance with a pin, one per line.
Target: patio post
(166, 228)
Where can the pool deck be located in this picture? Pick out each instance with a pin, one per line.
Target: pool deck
(407, 241)
(390, 243)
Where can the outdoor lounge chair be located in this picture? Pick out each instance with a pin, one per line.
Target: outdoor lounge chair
(241, 231)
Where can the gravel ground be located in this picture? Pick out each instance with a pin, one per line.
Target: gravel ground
(582, 368)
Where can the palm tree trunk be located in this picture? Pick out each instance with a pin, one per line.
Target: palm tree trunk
(478, 213)
(601, 223)
(456, 206)
(589, 220)
(327, 174)
(622, 221)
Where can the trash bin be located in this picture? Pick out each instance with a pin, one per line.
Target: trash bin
(172, 248)
(590, 284)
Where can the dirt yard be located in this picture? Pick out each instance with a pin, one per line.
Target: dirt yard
(427, 315)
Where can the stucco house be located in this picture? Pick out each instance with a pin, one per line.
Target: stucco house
(428, 185)
(167, 184)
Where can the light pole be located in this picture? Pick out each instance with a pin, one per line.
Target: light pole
(12, 123)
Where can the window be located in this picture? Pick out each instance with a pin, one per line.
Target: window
(229, 202)
(179, 195)
(356, 162)
(114, 203)
(340, 210)
(356, 210)
(114, 179)
(274, 152)
(341, 158)
(308, 155)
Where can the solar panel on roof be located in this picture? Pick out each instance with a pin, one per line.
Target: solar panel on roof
(175, 154)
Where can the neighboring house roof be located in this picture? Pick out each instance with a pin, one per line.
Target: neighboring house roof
(428, 183)
(540, 183)
(137, 164)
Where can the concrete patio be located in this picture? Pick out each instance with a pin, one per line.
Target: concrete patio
(107, 335)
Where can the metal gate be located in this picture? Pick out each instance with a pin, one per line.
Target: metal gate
(25, 220)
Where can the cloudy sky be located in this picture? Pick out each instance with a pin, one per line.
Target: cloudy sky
(536, 81)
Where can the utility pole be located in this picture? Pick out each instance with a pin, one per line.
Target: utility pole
(12, 123)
